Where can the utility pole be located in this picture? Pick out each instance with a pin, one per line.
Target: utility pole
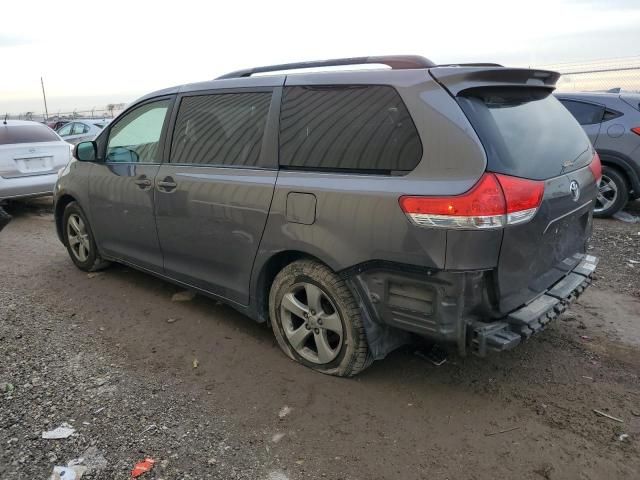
(46, 111)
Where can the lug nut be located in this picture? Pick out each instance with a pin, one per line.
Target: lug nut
(316, 331)
(319, 321)
(312, 312)
(306, 325)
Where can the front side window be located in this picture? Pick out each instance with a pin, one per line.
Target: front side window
(584, 113)
(136, 136)
(220, 129)
(347, 128)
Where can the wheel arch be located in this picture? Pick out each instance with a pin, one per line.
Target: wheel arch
(60, 205)
(625, 166)
(267, 273)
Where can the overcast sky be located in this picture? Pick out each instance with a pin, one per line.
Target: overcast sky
(94, 53)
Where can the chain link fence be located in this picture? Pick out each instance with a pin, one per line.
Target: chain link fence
(600, 75)
(110, 111)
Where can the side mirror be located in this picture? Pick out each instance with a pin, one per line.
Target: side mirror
(86, 151)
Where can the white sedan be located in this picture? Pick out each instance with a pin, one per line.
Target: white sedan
(30, 156)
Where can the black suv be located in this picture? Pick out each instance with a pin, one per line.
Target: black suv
(350, 209)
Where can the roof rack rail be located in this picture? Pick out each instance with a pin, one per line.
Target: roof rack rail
(469, 65)
(396, 62)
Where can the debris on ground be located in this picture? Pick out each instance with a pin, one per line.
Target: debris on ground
(172, 320)
(277, 437)
(185, 296)
(284, 411)
(195, 363)
(63, 431)
(434, 354)
(142, 467)
(506, 430)
(626, 217)
(622, 437)
(68, 473)
(6, 387)
(94, 274)
(602, 414)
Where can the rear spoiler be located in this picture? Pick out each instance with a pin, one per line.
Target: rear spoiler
(458, 79)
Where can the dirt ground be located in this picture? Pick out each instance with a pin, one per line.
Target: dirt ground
(114, 357)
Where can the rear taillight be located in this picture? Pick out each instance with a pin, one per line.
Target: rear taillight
(596, 167)
(495, 201)
(636, 130)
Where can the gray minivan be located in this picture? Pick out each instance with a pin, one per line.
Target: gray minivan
(350, 209)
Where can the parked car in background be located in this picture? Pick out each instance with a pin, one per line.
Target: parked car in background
(57, 124)
(30, 156)
(349, 208)
(612, 122)
(82, 129)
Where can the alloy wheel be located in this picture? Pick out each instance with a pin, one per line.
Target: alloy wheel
(607, 194)
(311, 323)
(78, 237)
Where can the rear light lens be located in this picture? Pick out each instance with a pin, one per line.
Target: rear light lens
(636, 130)
(495, 201)
(596, 168)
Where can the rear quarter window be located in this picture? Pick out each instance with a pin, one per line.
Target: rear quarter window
(354, 128)
(36, 133)
(526, 132)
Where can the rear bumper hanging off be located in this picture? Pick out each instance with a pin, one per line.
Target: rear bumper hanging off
(520, 324)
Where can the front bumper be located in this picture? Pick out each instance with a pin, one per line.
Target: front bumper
(533, 317)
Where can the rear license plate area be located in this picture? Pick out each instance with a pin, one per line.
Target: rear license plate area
(34, 164)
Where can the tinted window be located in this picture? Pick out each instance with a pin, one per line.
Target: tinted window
(136, 136)
(221, 129)
(350, 128)
(35, 133)
(585, 113)
(526, 132)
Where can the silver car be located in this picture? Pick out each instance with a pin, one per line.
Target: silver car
(30, 156)
(612, 122)
(82, 129)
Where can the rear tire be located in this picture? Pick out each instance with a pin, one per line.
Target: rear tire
(316, 320)
(79, 240)
(613, 193)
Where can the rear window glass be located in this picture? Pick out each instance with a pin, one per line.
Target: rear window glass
(526, 132)
(35, 133)
(347, 128)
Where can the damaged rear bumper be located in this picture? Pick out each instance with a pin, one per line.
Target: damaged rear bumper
(453, 307)
(533, 317)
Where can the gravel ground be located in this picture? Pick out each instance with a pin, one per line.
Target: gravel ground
(207, 394)
(618, 244)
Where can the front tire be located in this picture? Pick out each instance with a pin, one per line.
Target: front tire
(613, 193)
(316, 320)
(79, 240)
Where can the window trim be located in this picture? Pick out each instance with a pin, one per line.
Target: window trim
(347, 171)
(585, 102)
(106, 132)
(272, 127)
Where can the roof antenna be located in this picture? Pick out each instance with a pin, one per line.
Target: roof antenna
(5, 118)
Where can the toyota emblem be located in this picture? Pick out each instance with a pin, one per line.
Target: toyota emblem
(574, 189)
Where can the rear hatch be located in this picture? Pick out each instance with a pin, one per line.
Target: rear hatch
(31, 149)
(528, 134)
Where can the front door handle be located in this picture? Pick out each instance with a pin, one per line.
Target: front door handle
(142, 182)
(167, 184)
